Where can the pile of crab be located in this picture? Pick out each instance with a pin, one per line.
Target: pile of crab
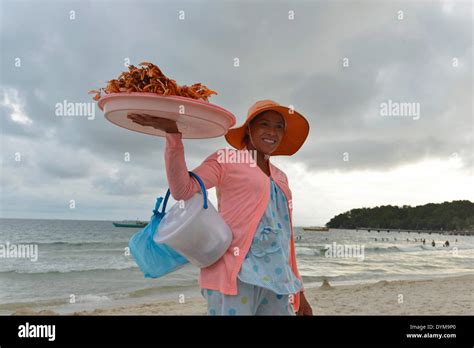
(149, 78)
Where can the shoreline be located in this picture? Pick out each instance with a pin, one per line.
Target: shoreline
(396, 297)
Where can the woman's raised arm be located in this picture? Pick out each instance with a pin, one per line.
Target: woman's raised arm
(182, 185)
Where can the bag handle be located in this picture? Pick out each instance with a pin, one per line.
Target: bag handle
(167, 196)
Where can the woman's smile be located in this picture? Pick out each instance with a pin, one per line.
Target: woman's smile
(266, 131)
(267, 145)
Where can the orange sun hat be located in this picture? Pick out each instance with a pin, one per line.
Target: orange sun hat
(296, 130)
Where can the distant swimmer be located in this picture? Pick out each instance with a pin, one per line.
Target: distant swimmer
(424, 241)
(446, 244)
(433, 243)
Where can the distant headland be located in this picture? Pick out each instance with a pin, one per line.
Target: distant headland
(456, 217)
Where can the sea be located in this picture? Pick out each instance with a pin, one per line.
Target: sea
(85, 265)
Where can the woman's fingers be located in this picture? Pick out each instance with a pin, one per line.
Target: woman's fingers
(142, 119)
(145, 117)
(153, 121)
(142, 122)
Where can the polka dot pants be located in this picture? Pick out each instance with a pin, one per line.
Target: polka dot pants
(251, 300)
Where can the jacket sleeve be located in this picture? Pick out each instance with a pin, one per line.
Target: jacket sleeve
(182, 185)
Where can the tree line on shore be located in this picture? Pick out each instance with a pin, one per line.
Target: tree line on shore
(452, 216)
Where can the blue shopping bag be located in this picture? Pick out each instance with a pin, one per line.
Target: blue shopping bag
(155, 260)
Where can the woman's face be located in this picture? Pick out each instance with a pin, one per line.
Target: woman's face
(267, 130)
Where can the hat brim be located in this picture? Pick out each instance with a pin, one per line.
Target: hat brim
(296, 131)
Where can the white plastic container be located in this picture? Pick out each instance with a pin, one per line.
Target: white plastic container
(199, 234)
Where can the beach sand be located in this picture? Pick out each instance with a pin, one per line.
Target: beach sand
(441, 296)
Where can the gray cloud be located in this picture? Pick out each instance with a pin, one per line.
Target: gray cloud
(293, 62)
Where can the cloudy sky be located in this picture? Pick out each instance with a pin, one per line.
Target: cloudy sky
(337, 62)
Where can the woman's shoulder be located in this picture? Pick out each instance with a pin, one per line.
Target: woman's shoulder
(279, 174)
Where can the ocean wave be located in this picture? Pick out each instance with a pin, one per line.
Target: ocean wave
(71, 243)
(410, 249)
(393, 249)
(318, 250)
(92, 298)
(375, 280)
(87, 298)
(66, 271)
(189, 284)
(78, 247)
(12, 306)
(306, 251)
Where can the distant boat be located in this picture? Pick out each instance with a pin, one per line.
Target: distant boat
(316, 228)
(134, 224)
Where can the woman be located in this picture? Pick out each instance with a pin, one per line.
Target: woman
(258, 274)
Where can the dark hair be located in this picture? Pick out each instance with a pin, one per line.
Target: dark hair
(246, 138)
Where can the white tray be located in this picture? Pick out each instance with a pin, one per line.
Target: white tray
(196, 119)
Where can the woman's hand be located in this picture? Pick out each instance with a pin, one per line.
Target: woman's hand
(164, 124)
(305, 307)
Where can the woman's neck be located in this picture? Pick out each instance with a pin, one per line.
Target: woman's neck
(262, 159)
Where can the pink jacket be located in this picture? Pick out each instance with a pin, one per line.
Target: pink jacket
(244, 192)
